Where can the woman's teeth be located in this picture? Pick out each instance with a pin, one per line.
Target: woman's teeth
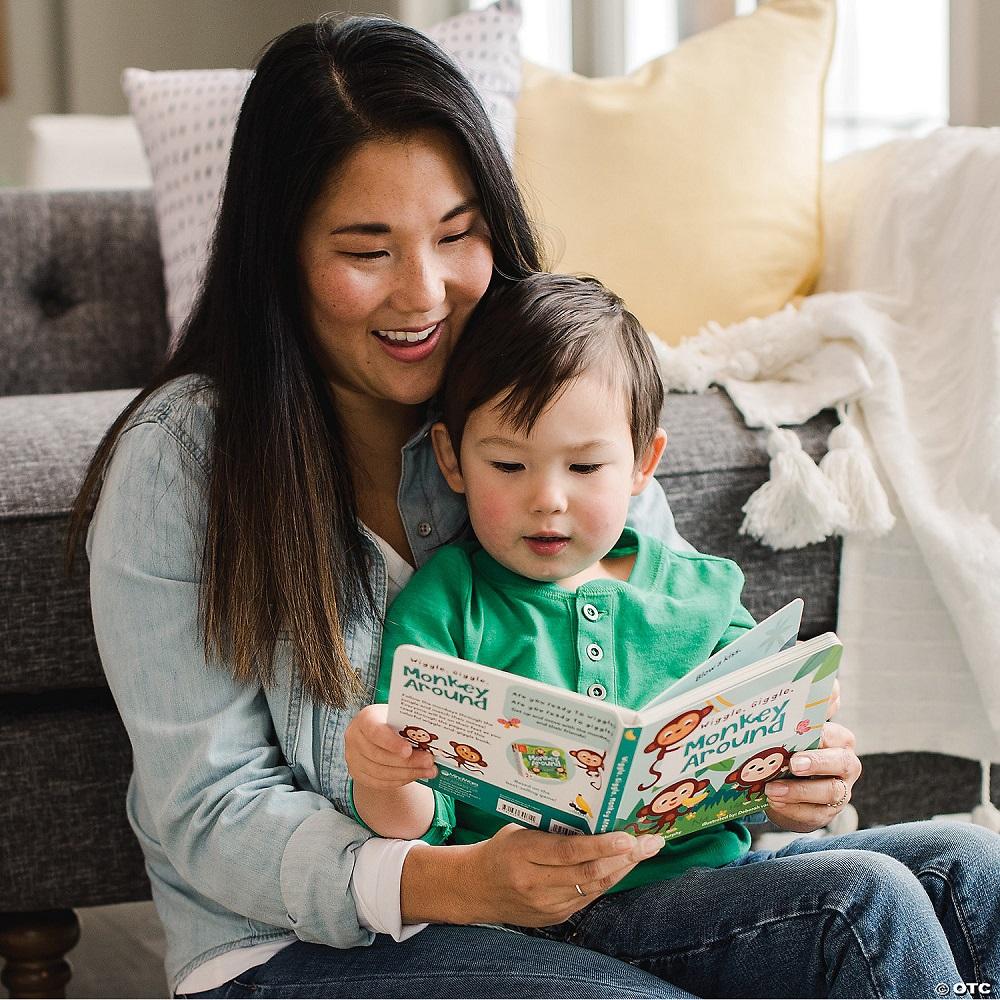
(400, 336)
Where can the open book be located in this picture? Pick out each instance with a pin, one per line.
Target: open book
(699, 753)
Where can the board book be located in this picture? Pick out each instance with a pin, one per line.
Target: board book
(697, 754)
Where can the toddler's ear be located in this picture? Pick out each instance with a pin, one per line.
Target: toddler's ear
(646, 466)
(447, 460)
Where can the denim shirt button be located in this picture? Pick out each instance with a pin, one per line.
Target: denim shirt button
(424, 529)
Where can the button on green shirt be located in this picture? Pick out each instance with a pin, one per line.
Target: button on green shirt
(624, 640)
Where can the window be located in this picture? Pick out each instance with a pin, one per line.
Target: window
(889, 74)
(650, 30)
(547, 33)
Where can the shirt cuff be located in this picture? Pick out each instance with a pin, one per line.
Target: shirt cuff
(378, 868)
(316, 872)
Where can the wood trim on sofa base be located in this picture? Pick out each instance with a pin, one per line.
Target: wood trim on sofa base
(34, 946)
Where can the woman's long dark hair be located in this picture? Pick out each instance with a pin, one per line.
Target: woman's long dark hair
(283, 549)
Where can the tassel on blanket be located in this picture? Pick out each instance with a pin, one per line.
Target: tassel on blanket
(986, 814)
(797, 506)
(848, 467)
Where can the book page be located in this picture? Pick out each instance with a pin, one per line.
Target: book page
(503, 743)
(778, 631)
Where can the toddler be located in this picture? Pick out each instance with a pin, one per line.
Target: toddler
(551, 408)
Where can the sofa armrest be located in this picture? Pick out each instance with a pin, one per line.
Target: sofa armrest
(81, 291)
(712, 463)
(46, 634)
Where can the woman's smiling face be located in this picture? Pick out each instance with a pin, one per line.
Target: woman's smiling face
(394, 256)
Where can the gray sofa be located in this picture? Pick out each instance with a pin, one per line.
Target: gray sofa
(82, 322)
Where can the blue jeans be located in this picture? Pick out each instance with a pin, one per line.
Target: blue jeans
(445, 961)
(889, 912)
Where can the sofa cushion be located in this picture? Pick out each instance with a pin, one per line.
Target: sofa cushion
(46, 633)
(690, 187)
(711, 465)
(81, 291)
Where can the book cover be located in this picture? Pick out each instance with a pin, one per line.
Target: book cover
(710, 761)
(698, 753)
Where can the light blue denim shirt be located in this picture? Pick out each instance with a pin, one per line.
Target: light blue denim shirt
(239, 795)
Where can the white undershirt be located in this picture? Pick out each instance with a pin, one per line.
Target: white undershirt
(378, 867)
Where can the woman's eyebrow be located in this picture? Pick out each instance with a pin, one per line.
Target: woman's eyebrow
(363, 228)
(381, 228)
(466, 206)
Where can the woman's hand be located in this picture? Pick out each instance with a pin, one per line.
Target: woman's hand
(821, 785)
(518, 876)
(378, 757)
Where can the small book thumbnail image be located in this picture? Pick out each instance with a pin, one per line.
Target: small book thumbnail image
(534, 761)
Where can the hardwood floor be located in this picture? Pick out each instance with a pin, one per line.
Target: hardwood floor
(120, 953)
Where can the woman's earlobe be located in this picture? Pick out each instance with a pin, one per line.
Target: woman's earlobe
(447, 460)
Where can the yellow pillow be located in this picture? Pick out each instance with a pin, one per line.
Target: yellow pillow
(691, 187)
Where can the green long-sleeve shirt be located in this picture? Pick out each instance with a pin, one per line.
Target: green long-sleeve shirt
(621, 640)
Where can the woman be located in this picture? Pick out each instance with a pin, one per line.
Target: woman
(258, 504)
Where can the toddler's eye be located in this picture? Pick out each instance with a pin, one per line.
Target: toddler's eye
(585, 470)
(507, 466)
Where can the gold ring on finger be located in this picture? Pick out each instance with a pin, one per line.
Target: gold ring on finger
(843, 795)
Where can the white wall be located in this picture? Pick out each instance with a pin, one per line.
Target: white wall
(424, 13)
(34, 79)
(102, 37)
(67, 55)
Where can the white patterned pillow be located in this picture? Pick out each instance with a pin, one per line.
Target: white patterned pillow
(187, 117)
(485, 44)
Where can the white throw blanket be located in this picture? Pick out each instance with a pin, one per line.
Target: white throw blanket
(916, 343)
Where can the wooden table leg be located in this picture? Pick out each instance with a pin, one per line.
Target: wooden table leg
(35, 945)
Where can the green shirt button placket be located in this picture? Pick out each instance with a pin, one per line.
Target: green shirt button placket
(592, 643)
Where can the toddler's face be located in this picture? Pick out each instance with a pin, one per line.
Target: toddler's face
(550, 505)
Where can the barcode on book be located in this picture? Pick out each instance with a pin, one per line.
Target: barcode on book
(519, 812)
(556, 827)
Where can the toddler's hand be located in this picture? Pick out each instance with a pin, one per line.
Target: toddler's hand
(377, 756)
